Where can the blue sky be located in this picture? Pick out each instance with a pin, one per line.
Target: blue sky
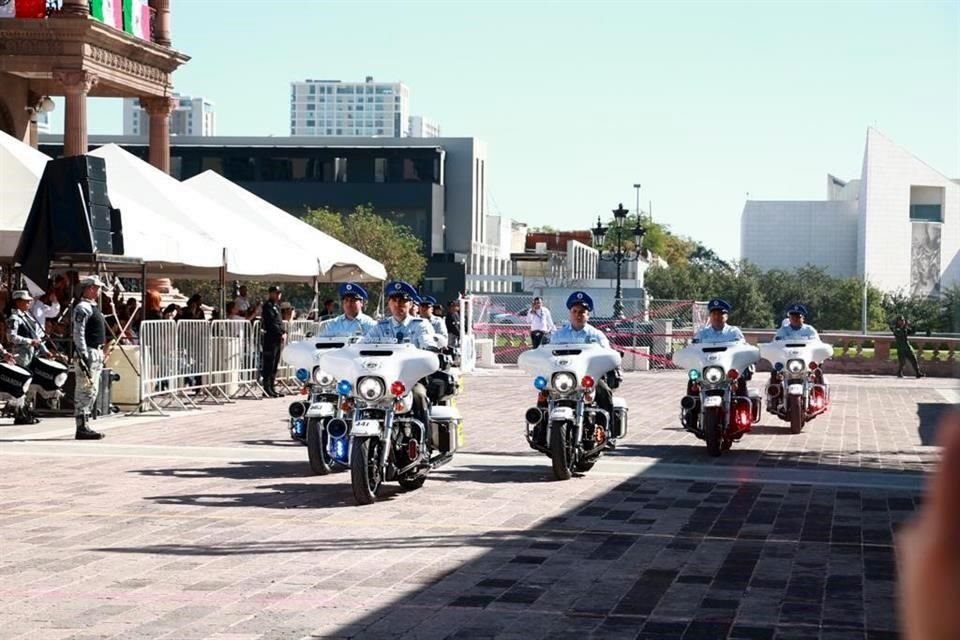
(701, 102)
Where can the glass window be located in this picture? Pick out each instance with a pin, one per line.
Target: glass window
(344, 89)
(311, 107)
(341, 169)
(339, 132)
(926, 213)
(313, 89)
(329, 132)
(311, 123)
(380, 168)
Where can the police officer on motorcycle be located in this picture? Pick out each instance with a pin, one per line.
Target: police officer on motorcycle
(426, 312)
(579, 331)
(353, 321)
(717, 330)
(26, 343)
(402, 326)
(797, 329)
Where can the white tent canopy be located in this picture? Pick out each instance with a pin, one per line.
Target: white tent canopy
(244, 247)
(338, 261)
(21, 167)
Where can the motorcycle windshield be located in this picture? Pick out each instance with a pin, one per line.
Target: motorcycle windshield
(807, 350)
(580, 359)
(389, 362)
(729, 355)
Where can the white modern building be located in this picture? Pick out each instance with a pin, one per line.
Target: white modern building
(335, 108)
(190, 117)
(421, 127)
(898, 225)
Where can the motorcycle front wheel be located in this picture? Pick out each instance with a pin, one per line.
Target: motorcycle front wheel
(795, 411)
(320, 462)
(365, 473)
(712, 427)
(561, 451)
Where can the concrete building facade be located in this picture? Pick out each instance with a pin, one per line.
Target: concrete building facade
(189, 117)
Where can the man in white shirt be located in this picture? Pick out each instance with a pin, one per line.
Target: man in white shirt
(541, 322)
(46, 306)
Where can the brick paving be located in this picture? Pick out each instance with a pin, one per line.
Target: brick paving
(207, 524)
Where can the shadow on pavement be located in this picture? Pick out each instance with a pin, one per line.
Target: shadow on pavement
(929, 414)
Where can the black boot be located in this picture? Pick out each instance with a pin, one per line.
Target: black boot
(25, 416)
(84, 432)
(268, 388)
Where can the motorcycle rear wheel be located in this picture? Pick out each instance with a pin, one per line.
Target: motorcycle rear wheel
(561, 454)
(795, 411)
(365, 473)
(320, 462)
(711, 432)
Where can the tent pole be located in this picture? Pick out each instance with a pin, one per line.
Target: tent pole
(223, 285)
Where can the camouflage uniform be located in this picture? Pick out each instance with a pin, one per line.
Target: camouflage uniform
(21, 332)
(89, 333)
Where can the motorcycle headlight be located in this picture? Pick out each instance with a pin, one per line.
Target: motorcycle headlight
(371, 388)
(321, 377)
(713, 375)
(794, 366)
(564, 382)
(60, 380)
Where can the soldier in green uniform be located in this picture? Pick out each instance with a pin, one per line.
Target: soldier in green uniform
(89, 336)
(901, 331)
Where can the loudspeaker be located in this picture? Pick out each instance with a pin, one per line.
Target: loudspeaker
(116, 224)
(77, 190)
(101, 217)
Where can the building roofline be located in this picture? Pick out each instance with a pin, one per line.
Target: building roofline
(324, 142)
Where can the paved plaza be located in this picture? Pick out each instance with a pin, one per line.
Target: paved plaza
(208, 524)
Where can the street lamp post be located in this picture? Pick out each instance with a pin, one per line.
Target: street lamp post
(619, 255)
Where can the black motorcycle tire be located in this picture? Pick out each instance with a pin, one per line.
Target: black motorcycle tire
(320, 462)
(711, 432)
(795, 411)
(560, 455)
(365, 473)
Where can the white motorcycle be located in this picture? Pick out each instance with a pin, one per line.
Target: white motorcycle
(309, 417)
(718, 406)
(798, 391)
(384, 439)
(567, 424)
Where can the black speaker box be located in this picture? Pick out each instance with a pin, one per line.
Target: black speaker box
(101, 217)
(103, 241)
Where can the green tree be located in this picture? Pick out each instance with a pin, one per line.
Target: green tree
(376, 236)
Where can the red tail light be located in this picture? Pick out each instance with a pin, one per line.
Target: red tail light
(398, 388)
(413, 450)
(813, 366)
(587, 382)
(733, 374)
(346, 405)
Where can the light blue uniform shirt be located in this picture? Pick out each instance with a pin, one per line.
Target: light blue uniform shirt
(588, 335)
(342, 326)
(805, 332)
(729, 333)
(390, 331)
(439, 326)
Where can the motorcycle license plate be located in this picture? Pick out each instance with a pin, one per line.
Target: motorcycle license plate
(713, 401)
(365, 428)
(795, 389)
(320, 410)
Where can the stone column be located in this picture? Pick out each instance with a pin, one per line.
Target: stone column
(79, 8)
(159, 109)
(76, 85)
(161, 34)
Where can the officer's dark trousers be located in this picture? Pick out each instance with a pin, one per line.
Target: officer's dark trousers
(536, 338)
(271, 360)
(907, 355)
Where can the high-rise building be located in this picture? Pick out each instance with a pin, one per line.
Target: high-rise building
(421, 127)
(335, 108)
(190, 117)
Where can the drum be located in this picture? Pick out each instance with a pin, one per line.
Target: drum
(50, 375)
(14, 380)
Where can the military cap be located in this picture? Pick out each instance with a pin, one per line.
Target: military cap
(352, 290)
(718, 304)
(581, 298)
(22, 294)
(400, 289)
(274, 288)
(797, 308)
(428, 300)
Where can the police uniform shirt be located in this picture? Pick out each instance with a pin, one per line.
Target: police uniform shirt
(391, 331)
(728, 333)
(342, 326)
(439, 326)
(89, 329)
(804, 332)
(587, 335)
(271, 321)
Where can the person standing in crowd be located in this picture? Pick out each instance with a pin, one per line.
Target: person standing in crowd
(329, 310)
(452, 320)
(89, 336)
(541, 322)
(271, 326)
(901, 333)
(241, 303)
(427, 303)
(287, 312)
(44, 307)
(194, 309)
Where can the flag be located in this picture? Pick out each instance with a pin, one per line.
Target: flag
(23, 9)
(136, 18)
(109, 12)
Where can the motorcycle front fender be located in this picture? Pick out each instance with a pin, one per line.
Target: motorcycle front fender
(321, 410)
